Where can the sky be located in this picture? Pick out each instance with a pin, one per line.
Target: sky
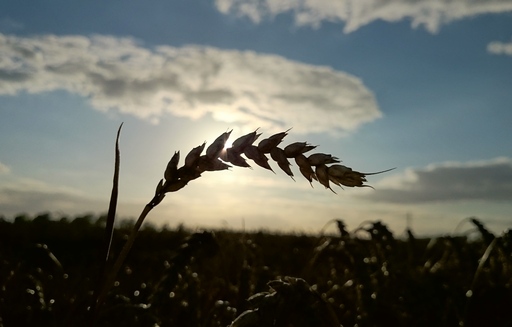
(423, 86)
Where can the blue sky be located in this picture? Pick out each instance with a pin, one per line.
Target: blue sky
(424, 86)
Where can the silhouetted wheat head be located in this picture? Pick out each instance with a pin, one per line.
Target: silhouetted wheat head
(321, 167)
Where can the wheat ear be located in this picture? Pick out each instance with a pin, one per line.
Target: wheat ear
(321, 167)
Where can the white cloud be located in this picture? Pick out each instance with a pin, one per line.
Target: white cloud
(485, 180)
(500, 48)
(431, 14)
(251, 89)
(4, 169)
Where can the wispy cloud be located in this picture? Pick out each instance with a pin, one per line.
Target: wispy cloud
(244, 87)
(4, 169)
(486, 180)
(430, 14)
(500, 48)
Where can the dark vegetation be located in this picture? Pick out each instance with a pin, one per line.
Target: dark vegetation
(49, 267)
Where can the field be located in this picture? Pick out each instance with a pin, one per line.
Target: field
(49, 271)
(85, 272)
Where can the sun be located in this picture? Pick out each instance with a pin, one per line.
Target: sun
(228, 144)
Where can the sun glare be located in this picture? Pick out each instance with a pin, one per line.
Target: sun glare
(228, 144)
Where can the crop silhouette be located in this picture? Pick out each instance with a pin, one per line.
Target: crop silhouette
(217, 157)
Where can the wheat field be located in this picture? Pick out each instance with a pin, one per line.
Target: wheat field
(86, 272)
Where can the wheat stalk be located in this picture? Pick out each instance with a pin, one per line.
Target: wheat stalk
(320, 167)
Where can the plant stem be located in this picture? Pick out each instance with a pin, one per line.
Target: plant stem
(110, 279)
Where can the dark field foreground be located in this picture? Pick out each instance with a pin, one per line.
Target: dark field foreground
(49, 269)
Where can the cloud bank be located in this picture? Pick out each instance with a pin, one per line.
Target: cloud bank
(488, 181)
(243, 87)
(431, 14)
(500, 48)
(14, 201)
(30, 195)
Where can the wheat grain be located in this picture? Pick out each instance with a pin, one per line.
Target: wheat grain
(322, 159)
(266, 145)
(193, 156)
(294, 149)
(279, 156)
(259, 158)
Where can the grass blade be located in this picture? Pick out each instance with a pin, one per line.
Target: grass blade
(109, 231)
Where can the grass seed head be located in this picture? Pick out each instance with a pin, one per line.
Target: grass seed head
(217, 158)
